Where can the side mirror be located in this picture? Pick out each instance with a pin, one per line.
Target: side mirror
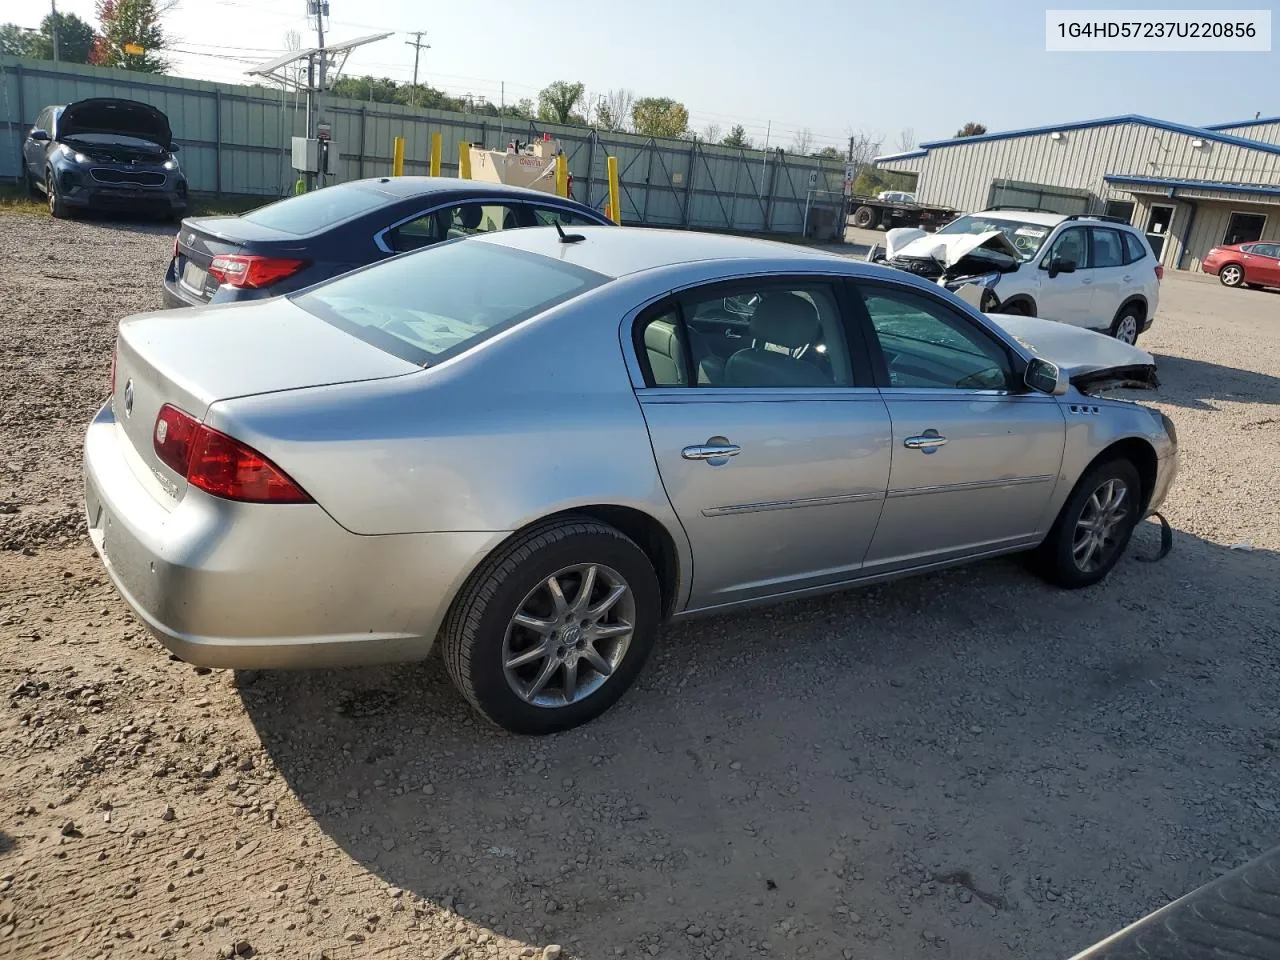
(1061, 265)
(1046, 377)
(38, 134)
(174, 148)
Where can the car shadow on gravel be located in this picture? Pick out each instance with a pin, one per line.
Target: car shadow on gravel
(1194, 383)
(825, 758)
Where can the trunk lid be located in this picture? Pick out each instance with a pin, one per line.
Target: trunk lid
(107, 115)
(1092, 361)
(206, 354)
(200, 239)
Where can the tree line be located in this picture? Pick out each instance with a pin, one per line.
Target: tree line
(128, 36)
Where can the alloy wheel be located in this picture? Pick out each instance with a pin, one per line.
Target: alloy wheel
(1232, 275)
(569, 635)
(1100, 524)
(1127, 329)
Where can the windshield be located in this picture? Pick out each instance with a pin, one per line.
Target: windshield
(445, 299)
(308, 213)
(1027, 238)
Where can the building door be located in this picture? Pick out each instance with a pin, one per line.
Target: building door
(1122, 209)
(1159, 220)
(1244, 228)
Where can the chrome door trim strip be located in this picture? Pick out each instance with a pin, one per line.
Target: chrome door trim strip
(968, 485)
(761, 507)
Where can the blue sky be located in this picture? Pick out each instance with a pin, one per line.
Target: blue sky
(829, 65)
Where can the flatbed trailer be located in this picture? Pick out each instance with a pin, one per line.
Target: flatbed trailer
(870, 212)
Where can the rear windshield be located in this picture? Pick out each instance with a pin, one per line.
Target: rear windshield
(442, 300)
(308, 213)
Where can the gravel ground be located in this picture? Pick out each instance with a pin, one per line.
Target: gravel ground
(970, 764)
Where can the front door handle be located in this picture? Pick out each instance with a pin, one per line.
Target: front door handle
(927, 442)
(1086, 281)
(716, 449)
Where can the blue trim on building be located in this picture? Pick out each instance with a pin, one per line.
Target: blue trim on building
(908, 155)
(1200, 132)
(1242, 123)
(1121, 179)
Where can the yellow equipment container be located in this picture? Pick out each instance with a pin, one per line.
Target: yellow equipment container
(530, 165)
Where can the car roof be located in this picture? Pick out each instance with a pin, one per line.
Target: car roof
(1023, 216)
(406, 188)
(616, 252)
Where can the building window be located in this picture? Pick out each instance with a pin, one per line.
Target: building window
(1244, 228)
(1120, 208)
(1159, 220)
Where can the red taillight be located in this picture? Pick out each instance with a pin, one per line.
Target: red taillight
(1159, 272)
(251, 270)
(219, 464)
(175, 245)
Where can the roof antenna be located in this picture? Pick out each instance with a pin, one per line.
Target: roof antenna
(567, 237)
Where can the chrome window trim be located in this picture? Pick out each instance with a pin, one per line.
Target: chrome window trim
(380, 238)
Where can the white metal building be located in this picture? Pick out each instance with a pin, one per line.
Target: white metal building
(1188, 188)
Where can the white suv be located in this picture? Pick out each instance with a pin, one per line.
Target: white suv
(1086, 270)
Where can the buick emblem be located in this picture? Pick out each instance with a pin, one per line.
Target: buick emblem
(128, 398)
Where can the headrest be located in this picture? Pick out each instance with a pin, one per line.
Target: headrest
(661, 337)
(787, 319)
(470, 215)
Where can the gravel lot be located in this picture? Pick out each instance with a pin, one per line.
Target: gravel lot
(964, 765)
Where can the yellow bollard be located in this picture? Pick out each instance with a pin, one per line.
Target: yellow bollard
(464, 160)
(437, 145)
(615, 193)
(562, 175)
(397, 158)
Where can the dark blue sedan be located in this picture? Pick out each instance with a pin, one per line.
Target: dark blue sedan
(302, 240)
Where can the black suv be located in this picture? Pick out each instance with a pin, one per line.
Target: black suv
(105, 153)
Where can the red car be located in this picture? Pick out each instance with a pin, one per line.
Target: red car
(1253, 265)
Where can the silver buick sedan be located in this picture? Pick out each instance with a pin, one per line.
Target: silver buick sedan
(536, 447)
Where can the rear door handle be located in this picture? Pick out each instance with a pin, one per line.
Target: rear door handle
(927, 442)
(717, 448)
(1086, 281)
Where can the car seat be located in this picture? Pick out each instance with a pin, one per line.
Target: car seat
(785, 320)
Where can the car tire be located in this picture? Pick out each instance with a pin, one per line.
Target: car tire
(1127, 325)
(865, 218)
(1065, 558)
(483, 640)
(57, 207)
(1231, 275)
(33, 185)
(1016, 308)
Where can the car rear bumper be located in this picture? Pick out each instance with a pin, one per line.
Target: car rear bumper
(227, 584)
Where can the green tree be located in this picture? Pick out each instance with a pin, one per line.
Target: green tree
(829, 153)
(737, 138)
(16, 41)
(132, 22)
(369, 89)
(971, 130)
(660, 117)
(76, 39)
(557, 100)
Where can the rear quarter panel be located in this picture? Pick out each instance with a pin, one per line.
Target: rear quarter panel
(540, 419)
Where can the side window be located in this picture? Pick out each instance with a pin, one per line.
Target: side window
(1269, 250)
(42, 121)
(1133, 248)
(1070, 245)
(773, 335)
(415, 234)
(928, 345)
(662, 350)
(546, 216)
(472, 218)
(1107, 248)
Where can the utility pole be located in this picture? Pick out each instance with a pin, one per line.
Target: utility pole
(418, 47)
(319, 9)
(53, 27)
